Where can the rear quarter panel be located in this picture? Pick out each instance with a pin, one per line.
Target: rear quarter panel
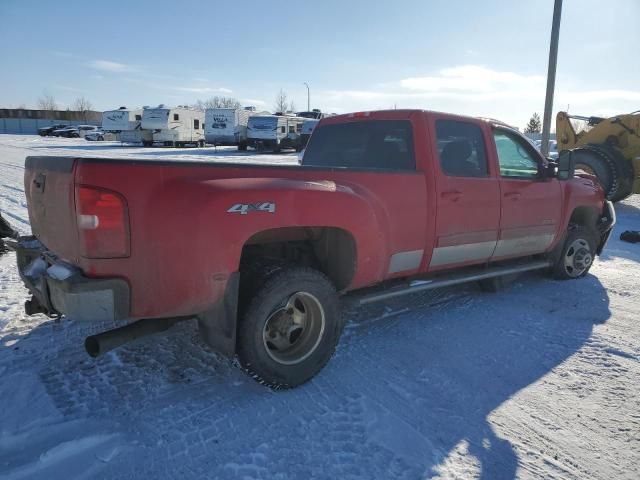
(185, 243)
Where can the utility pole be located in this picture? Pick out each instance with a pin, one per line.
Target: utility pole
(551, 77)
(308, 97)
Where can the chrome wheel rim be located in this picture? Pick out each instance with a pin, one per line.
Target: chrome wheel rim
(577, 258)
(294, 331)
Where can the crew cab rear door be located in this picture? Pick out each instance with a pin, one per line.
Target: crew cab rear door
(531, 206)
(467, 192)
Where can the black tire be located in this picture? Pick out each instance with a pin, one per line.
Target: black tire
(304, 351)
(277, 148)
(614, 172)
(624, 174)
(101, 138)
(577, 254)
(242, 147)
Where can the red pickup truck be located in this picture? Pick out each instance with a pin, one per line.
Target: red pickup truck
(387, 202)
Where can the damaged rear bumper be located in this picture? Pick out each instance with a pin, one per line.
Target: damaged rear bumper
(59, 288)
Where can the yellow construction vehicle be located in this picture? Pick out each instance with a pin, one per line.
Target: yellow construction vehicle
(608, 148)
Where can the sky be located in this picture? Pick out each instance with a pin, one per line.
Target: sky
(482, 58)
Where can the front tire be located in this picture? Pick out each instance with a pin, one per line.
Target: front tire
(289, 328)
(577, 254)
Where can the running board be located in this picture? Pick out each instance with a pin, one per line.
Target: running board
(453, 279)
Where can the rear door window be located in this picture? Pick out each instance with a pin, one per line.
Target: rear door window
(461, 149)
(374, 144)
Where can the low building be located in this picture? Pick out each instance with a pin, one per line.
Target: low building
(25, 121)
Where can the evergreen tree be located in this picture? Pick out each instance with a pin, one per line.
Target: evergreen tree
(534, 125)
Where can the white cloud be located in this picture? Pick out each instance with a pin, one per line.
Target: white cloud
(204, 89)
(473, 79)
(109, 66)
(253, 102)
(599, 96)
(480, 91)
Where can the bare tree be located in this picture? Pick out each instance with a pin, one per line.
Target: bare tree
(281, 104)
(81, 104)
(47, 101)
(217, 102)
(292, 106)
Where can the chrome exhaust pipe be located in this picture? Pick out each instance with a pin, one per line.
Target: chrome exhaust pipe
(99, 344)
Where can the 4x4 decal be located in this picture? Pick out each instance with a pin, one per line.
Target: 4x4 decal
(245, 208)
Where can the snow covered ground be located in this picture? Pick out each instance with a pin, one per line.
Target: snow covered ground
(539, 381)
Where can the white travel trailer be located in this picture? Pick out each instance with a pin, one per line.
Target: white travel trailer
(275, 132)
(228, 126)
(307, 129)
(126, 124)
(177, 126)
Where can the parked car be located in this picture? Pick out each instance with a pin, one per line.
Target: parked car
(553, 148)
(83, 130)
(67, 132)
(76, 131)
(99, 136)
(385, 203)
(46, 131)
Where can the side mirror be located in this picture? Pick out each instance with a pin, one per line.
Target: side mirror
(548, 169)
(566, 166)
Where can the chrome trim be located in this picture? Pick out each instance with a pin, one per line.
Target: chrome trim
(521, 245)
(462, 253)
(403, 261)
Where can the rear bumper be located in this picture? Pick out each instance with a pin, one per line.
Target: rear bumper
(62, 289)
(606, 224)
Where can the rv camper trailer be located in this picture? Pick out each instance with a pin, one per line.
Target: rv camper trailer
(228, 126)
(126, 124)
(307, 128)
(274, 132)
(177, 126)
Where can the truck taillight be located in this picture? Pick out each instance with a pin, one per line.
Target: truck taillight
(103, 223)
